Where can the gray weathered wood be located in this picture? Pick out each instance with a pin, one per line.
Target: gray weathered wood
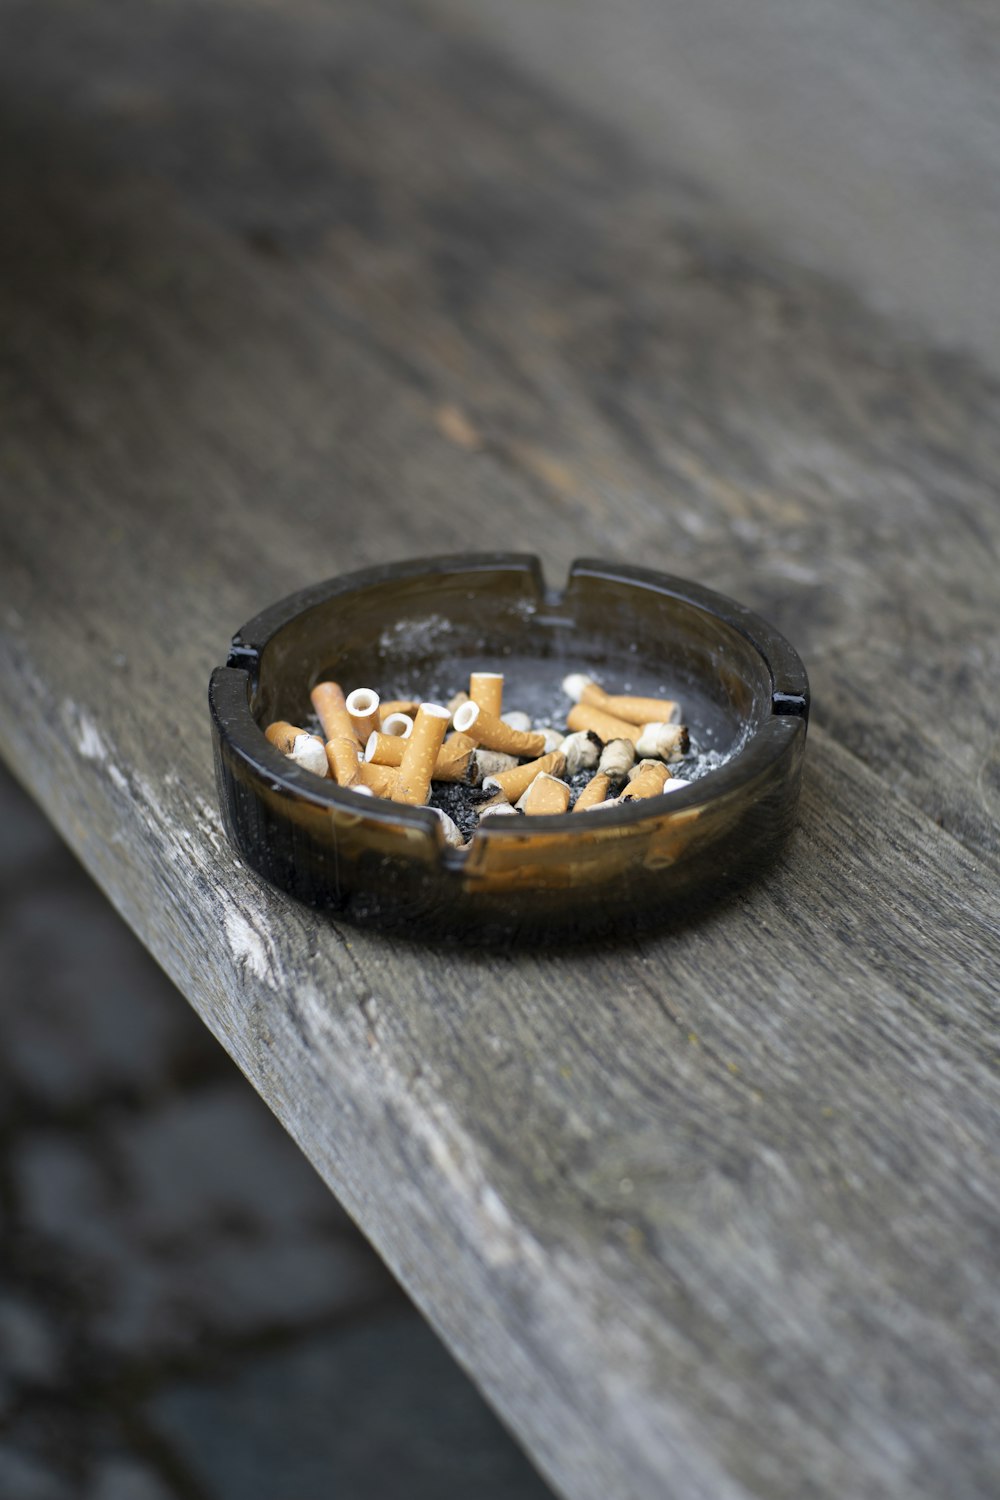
(714, 1216)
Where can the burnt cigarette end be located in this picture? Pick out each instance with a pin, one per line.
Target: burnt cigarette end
(582, 751)
(664, 741)
(305, 749)
(617, 759)
(491, 763)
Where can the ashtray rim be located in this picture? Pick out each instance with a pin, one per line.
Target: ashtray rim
(765, 744)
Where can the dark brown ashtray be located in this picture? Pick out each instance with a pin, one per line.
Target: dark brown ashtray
(417, 629)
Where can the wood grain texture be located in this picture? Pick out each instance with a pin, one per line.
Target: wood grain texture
(711, 1216)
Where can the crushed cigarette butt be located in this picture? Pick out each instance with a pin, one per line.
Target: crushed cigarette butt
(663, 741)
(546, 795)
(305, 749)
(645, 780)
(594, 792)
(582, 751)
(617, 759)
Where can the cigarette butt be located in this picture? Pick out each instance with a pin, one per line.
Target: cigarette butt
(634, 710)
(397, 725)
(384, 749)
(491, 763)
(299, 745)
(582, 751)
(640, 710)
(342, 757)
(455, 703)
(420, 752)
(601, 806)
(546, 796)
(514, 783)
(617, 759)
(407, 706)
(363, 707)
(486, 689)
(666, 741)
(607, 726)
(378, 779)
(453, 759)
(675, 784)
(331, 709)
(595, 791)
(553, 739)
(517, 720)
(497, 810)
(452, 763)
(493, 734)
(646, 780)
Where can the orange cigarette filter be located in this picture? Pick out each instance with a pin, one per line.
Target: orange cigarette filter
(545, 797)
(493, 734)
(407, 706)
(398, 725)
(379, 779)
(515, 783)
(647, 781)
(453, 759)
(452, 763)
(331, 710)
(595, 791)
(301, 747)
(607, 726)
(342, 753)
(633, 710)
(283, 735)
(384, 749)
(486, 689)
(363, 708)
(413, 783)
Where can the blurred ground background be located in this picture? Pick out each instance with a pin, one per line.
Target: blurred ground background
(185, 1311)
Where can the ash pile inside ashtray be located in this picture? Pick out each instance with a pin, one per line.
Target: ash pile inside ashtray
(479, 755)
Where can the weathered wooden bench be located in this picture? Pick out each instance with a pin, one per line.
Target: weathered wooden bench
(288, 290)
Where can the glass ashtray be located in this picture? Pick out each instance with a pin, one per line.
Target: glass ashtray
(416, 629)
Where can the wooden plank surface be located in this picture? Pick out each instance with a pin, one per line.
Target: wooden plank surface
(711, 1216)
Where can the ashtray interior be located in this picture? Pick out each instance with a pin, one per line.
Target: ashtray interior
(418, 629)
